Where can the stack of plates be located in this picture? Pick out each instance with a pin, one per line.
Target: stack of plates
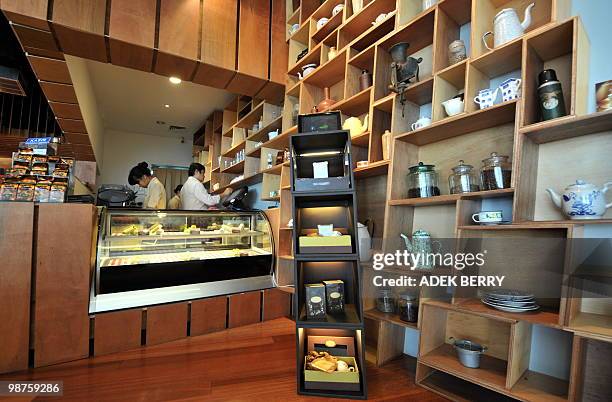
(511, 301)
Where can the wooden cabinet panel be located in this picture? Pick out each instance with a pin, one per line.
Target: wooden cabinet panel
(272, 92)
(72, 125)
(66, 110)
(16, 232)
(244, 309)
(166, 323)
(84, 15)
(253, 42)
(58, 92)
(132, 33)
(219, 21)
(117, 331)
(27, 12)
(245, 84)
(79, 27)
(179, 29)
(208, 315)
(213, 76)
(63, 271)
(50, 69)
(276, 304)
(77, 138)
(133, 22)
(35, 38)
(279, 48)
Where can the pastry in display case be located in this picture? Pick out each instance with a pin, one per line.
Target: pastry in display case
(153, 257)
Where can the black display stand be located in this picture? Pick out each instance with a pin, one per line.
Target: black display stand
(319, 201)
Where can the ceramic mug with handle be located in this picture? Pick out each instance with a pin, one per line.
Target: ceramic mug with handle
(510, 89)
(420, 123)
(486, 97)
(488, 217)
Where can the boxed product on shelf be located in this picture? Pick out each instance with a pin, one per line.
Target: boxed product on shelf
(8, 190)
(334, 291)
(315, 300)
(325, 244)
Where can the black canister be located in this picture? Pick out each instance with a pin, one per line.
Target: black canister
(550, 95)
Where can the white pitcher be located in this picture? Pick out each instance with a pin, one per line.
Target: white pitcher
(507, 26)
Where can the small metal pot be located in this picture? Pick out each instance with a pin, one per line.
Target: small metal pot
(468, 352)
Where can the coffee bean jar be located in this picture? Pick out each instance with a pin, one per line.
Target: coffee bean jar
(408, 306)
(495, 172)
(422, 181)
(463, 179)
(385, 301)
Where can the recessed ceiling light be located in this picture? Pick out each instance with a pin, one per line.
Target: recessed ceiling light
(166, 106)
(175, 80)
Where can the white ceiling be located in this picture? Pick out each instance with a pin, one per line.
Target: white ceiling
(131, 100)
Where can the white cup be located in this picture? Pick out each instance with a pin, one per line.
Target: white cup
(488, 217)
(420, 123)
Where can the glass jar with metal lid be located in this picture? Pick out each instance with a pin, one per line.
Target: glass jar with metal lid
(408, 306)
(422, 181)
(463, 179)
(385, 300)
(495, 172)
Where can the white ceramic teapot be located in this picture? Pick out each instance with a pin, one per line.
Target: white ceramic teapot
(307, 69)
(582, 200)
(453, 106)
(507, 27)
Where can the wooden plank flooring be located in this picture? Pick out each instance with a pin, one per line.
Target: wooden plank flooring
(252, 363)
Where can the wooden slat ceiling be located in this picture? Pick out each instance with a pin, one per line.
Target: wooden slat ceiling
(197, 41)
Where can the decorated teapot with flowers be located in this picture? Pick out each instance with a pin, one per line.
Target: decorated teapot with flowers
(582, 200)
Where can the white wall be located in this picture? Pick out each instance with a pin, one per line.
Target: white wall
(88, 104)
(123, 150)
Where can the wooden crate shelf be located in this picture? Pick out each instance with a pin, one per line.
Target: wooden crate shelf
(356, 105)
(568, 127)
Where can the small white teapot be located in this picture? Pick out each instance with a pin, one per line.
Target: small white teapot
(307, 69)
(582, 200)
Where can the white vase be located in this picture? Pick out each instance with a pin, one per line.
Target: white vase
(357, 6)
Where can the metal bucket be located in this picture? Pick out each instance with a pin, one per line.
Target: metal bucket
(468, 352)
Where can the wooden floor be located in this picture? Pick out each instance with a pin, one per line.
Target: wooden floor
(253, 363)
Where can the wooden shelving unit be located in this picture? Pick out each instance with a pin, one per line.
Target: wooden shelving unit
(543, 155)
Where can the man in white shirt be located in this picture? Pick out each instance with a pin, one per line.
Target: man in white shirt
(194, 196)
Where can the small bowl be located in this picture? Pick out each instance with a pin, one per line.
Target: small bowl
(322, 22)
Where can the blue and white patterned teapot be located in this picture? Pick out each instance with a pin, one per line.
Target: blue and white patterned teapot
(582, 200)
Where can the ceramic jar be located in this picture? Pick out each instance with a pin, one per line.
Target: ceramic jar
(386, 145)
(550, 94)
(365, 80)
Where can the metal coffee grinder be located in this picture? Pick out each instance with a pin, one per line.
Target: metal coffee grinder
(403, 69)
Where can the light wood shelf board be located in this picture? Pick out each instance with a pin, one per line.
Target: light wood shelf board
(235, 149)
(598, 325)
(462, 124)
(329, 73)
(419, 33)
(236, 168)
(385, 104)
(538, 387)
(294, 90)
(364, 59)
(374, 33)
(455, 74)
(262, 134)
(568, 127)
(373, 169)
(452, 198)
(540, 317)
(333, 23)
(356, 105)
(491, 374)
(501, 60)
(361, 140)
(388, 317)
(313, 56)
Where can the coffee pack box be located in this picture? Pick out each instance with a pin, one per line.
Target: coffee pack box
(334, 291)
(315, 301)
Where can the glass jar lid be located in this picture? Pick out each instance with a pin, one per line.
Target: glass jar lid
(409, 296)
(495, 159)
(385, 292)
(462, 168)
(421, 167)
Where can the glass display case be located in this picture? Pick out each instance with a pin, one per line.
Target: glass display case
(152, 257)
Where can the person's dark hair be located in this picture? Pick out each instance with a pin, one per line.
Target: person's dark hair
(195, 166)
(138, 172)
(178, 188)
